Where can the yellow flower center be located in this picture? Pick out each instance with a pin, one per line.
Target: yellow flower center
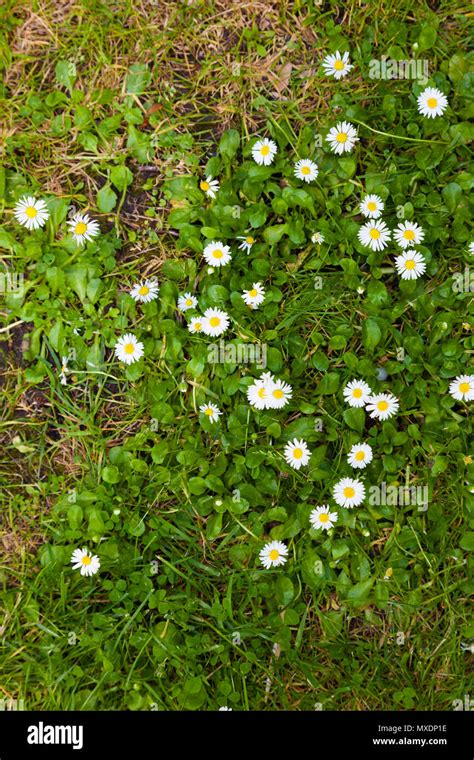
(360, 456)
(273, 555)
(265, 150)
(204, 186)
(188, 302)
(341, 137)
(209, 411)
(214, 321)
(144, 290)
(338, 65)
(349, 492)
(305, 170)
(357, 392)
(253, 293)
(372, 206)
(198, 326)
(250, 240)
(297, 453)
(80, 228)
(409, 235)
(431, 102)
(129, 348)
(464, 387)
(31, 212)
(86, 560)
(409, 264)
(278, 393)
(324, 517)
(217, 253)
(468, 459)
(382, 406)
(261, 393)
(374, 234)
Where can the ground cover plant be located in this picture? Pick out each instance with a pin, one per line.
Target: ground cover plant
(236, 356)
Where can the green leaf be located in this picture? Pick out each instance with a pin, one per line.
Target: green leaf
(111, 474)
(229, 143)
(106, 199)
(65, 72)
(371, 334)
(138, 78)
(467, 541)
(121, 177)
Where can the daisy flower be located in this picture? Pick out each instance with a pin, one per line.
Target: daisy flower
(64, 370)
(407, 234)
(432, 102)
(357, 393)
(273, 554)
(317, 238)
(128, 349)
(257, 393)
(410, 265)
(255, 296)
(342, 137)
(279, 394)
(217, 254)
(349, 493)
(306, 170)
(83, 228)
(471, 248)
(372, 206)
(382, 406)
(84, 560)
(188, 301)
(195, 325)
(209, 186)
(337, 66)
(375, 235)
(31, 212)
(225, 709)
(264, 151)
(211, 411)
(247, 243)
(297, 453)
(322, 518)
(215, 322)
(145, 291)
(462, 388)
(360, 455)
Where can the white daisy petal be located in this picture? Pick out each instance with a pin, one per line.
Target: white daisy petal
(297, 453)
(381, 406)
(85, 561)
(322, 519)
(209, 186)
(273, 554)
(342, 137)
(410, 265)
(336, 65)
(211, 411)
(357, 393)
(217, 254)
(215, 322)
(306, 170)
(145, 291)
(247, 243)
(360, 455)
(255, 296)
(264, 151)
(375, 235)
(408, 234)
(432, 102)
(462, 388)
(31, 212)
(187, 301)
(349, 493)
(372, 206)
(128, 349)
(83, 228)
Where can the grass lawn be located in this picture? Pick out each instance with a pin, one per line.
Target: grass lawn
(121, 111)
